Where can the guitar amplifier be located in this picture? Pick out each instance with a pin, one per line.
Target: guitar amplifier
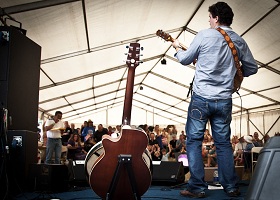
(168, 172)
(77, 171)
(48, 177)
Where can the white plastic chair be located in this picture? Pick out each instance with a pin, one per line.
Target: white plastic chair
(254, 162)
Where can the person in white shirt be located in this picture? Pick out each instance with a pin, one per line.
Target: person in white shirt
(54, 128)
(239, 149)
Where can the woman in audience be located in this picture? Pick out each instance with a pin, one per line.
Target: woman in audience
(75, 148)
(165, 154)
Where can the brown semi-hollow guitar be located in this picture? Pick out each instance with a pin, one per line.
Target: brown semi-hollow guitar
(131, 142)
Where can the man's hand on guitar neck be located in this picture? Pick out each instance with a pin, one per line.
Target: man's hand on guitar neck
(176, 45)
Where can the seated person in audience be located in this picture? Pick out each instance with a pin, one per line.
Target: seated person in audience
(183, 149)
(207, 134)
(181, 143)
(88, 129)
(89, 143)
(266, 137)
(234, 141)
(150, 148)
(247, 152)
(152, 140)
(165, 154)
(172, 145)
(212, 157)
(97, 136)
(239, 149)
(66, 134)
(164, 139)
(206, 143)
(156, 153)
(75, 149)
(257, 141)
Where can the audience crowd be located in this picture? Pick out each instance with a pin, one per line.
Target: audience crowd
(164, 144)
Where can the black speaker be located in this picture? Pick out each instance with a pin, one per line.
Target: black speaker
(48, 177)
(23, 150)
(77, 171)
(266, 177)
(172, 172)
(19, 78)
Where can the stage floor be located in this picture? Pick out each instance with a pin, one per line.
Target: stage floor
(162, 191)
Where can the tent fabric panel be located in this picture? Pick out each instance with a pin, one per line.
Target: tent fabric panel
(65, 89)
(123, 15)
(265, 45)
(251, 101)
(262, 80)
(165, 86)
(80, 96)
(59, 29)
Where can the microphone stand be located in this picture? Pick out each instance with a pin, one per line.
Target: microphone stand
(190, 88)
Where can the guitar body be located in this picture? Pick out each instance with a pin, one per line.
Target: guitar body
(104, 168)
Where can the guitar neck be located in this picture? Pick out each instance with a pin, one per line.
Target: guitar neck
(181, 45)
(132, 62)
(128, 97)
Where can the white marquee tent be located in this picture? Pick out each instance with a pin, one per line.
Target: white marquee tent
(83, 72)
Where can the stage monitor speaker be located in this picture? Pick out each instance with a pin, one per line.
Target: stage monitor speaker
(168, 171)
(48, 177)
(266, 177)
(208, 171)
(23, 151)
(20, 60)
(77, 171)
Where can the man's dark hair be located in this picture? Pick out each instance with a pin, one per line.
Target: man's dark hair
(223, 11)
(57, 113)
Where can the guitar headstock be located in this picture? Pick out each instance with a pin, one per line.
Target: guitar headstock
(133, 55)
(164, 36)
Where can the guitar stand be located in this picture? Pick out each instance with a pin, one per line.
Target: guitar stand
(126, 161)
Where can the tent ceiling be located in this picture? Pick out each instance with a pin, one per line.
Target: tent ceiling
(83, 72)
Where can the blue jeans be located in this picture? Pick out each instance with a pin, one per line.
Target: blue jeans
(218, 112)
(53, 145)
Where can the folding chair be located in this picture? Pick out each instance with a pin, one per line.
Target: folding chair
(254, 161)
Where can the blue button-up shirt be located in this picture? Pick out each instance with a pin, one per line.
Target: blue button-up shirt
(215, 68)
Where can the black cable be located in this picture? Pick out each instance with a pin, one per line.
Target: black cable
(190, 88)
(240, 112)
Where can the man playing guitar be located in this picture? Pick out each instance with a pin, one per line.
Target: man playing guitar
(212, 97)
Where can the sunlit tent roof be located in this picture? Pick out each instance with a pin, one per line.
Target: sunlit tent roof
(83, 73)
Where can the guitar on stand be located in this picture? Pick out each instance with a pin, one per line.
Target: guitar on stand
(121, 171)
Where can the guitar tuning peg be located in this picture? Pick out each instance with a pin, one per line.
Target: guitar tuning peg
(128, 47)
(141, 48)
